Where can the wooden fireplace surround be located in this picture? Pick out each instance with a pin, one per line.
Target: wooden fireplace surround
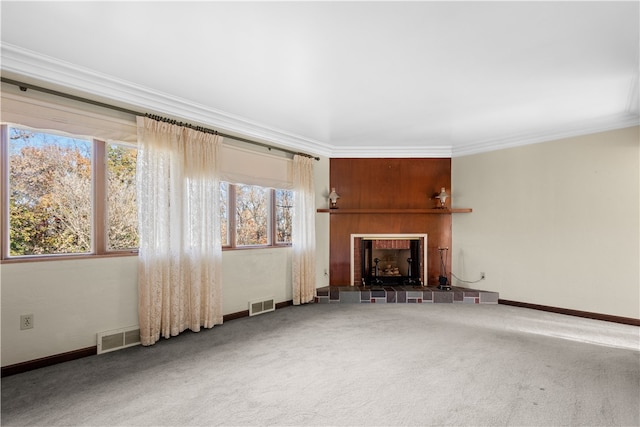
(389, 196)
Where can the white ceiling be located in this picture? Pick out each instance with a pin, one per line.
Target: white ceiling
(345, 79)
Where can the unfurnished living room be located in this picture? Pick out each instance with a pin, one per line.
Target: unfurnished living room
(320, 213)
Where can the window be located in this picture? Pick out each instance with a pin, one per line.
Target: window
(224, 213)
(252, 215)
(49, 194)
(122, 215)
(59, 200)
(284, 215)
(261, 216)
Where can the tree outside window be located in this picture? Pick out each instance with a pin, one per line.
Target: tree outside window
(262, 216)
(122, 214)
(50, 189)
(284, 215)
(252, 215)
(55, 192)
(52, 180)
(224, 213)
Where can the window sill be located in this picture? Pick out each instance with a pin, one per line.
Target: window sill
(66, 257)
(243, 248)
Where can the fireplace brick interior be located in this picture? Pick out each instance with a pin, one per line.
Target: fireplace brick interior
(393, 266)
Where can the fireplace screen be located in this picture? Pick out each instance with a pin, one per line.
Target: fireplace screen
(387, 262)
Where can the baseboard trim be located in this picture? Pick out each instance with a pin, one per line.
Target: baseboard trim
(570, 312)
(30, 365)
(236, 315)
(284, 304)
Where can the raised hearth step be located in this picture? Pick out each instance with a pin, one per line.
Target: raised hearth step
(402, 294)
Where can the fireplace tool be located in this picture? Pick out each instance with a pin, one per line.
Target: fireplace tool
(443, 280)
(410, 280)
(376, 280)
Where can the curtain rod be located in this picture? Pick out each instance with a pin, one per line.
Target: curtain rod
(24, 86)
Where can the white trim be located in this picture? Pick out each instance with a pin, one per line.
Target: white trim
(388, 236)
(585, 128)
(34, 68)
(392, 151)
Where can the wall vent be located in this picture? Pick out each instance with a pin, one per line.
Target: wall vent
(261, 306)
(118, 339)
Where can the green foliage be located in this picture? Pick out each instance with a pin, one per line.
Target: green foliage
(24, 230)
(122, 216)
(121, 164)
(50, 195)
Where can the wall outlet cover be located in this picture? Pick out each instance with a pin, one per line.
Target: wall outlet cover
(26, 322)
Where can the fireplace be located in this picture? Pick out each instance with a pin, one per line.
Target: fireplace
(393, 259)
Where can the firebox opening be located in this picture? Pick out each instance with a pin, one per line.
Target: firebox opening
(385, 259)
(390, 262)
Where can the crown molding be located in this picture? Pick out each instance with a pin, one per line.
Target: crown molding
(620, 121)
(391, 151)
(35, 68)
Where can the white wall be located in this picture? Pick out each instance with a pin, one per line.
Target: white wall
(72, 300)
(321, 177)
(555, 223)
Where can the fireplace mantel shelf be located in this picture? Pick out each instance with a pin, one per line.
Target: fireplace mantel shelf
(396, 211)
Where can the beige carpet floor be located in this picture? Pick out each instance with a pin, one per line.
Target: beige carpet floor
(352, 364)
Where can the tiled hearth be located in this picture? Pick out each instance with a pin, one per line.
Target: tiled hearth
(402, 294)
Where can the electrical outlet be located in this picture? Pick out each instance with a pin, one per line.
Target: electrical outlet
(482, 276)
(26, 322)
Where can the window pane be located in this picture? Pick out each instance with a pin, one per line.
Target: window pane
(284, 212)
(122, 214)
(252, 214)
(49, 193)
(224, 213)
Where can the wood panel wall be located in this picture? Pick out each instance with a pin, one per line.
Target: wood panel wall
(388, 184)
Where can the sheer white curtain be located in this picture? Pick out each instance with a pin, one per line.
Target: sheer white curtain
(179, 284)
(303, 231)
